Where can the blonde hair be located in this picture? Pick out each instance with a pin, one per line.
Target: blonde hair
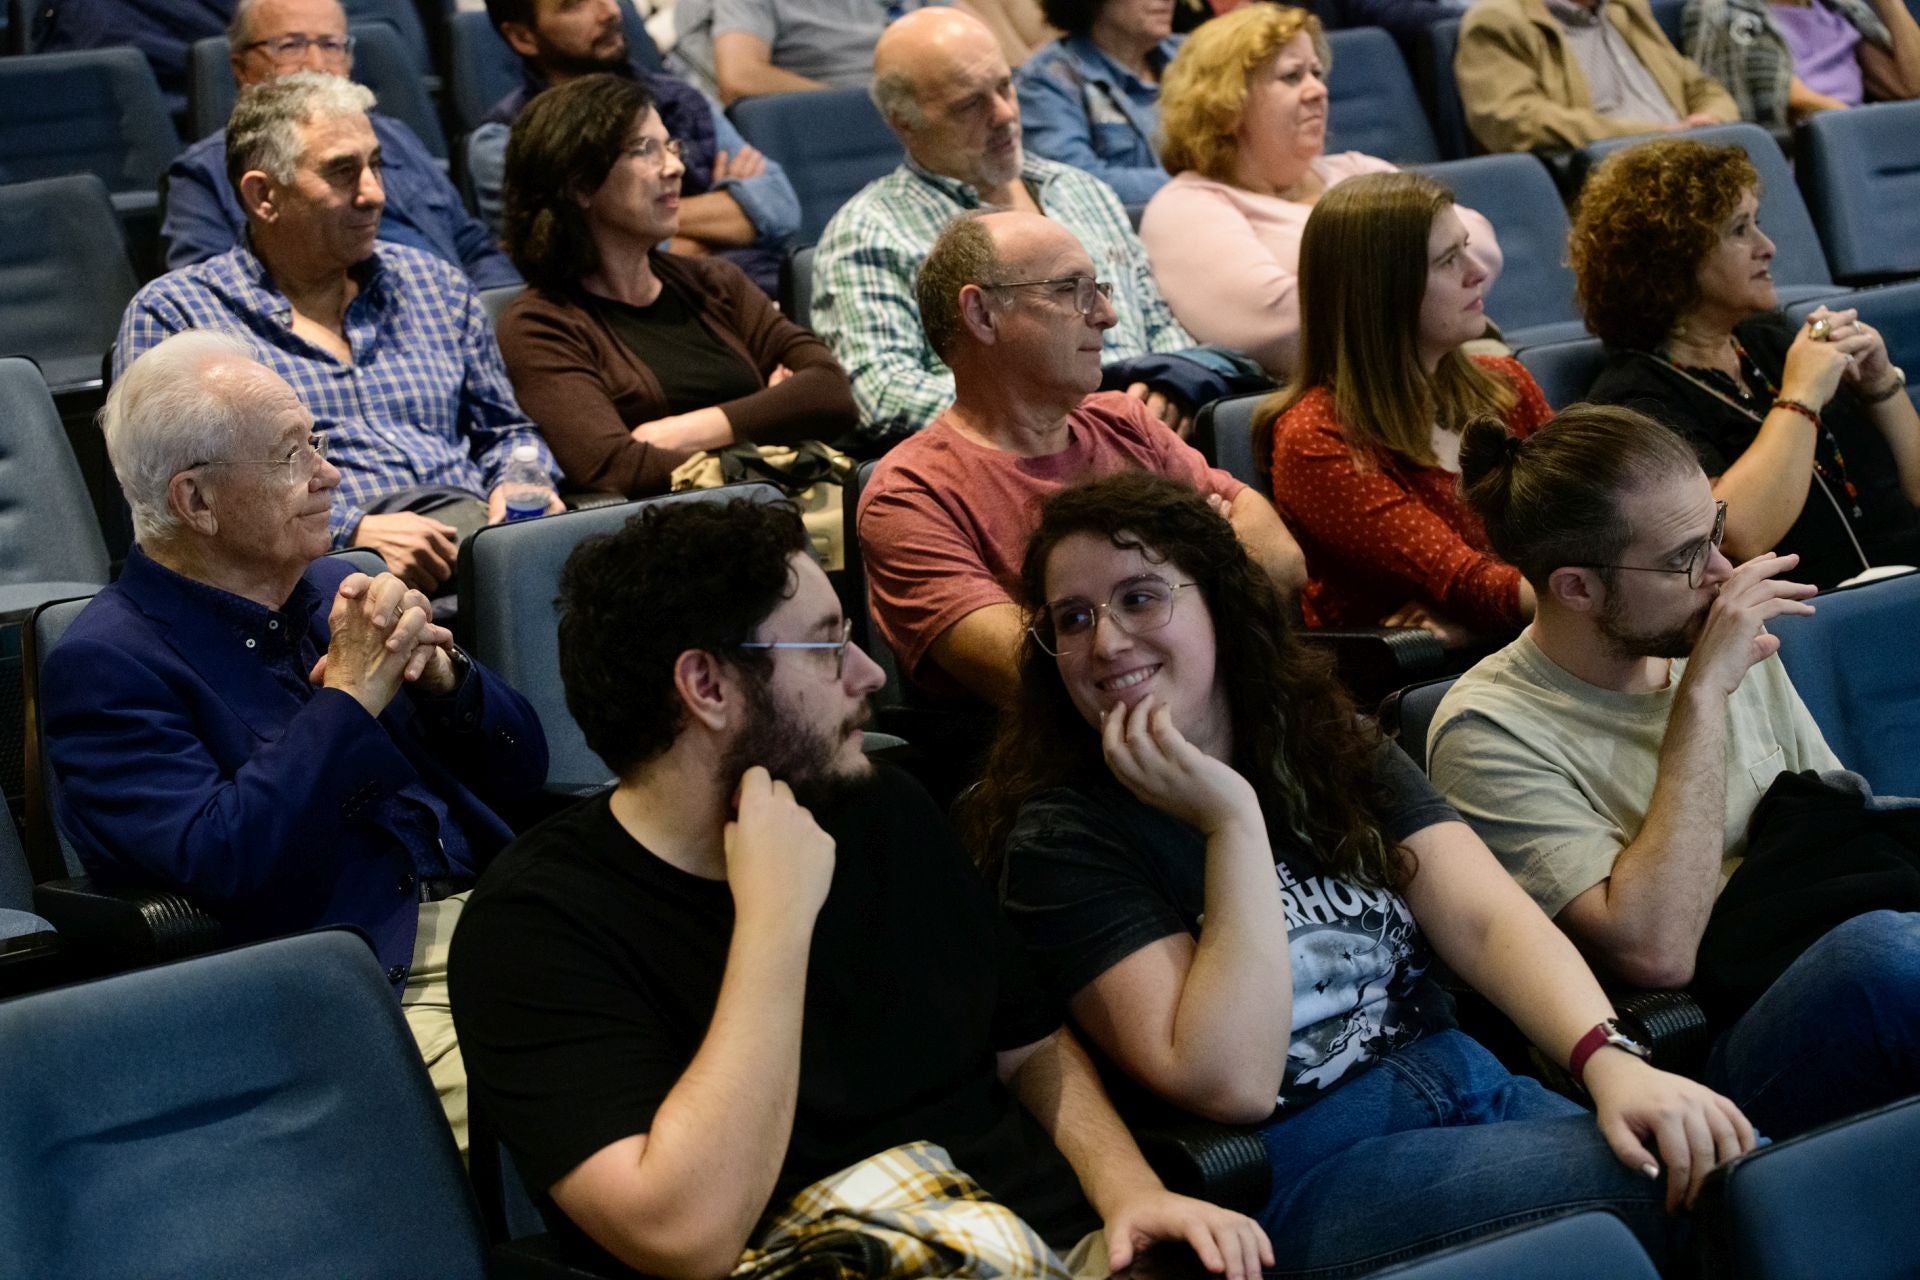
(1204, 91)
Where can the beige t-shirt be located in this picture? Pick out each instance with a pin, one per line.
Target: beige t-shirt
(1556, 774)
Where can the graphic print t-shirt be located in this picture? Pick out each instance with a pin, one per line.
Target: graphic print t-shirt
(1093, 875)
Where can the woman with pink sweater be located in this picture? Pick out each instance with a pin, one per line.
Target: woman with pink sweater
(1244, 111)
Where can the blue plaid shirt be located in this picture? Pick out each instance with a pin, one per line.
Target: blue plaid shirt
(426, 400)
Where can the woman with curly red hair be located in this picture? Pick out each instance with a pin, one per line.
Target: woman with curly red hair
(1806, 430)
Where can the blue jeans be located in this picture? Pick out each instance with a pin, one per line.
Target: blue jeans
(1436, 1145)
(1837, 1033)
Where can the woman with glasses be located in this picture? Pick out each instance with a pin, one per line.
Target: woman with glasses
(1807, 430)
(1366, 445)
(1238, 889)
(632, 358)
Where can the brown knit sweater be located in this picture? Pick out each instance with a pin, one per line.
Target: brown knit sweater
(586, 391)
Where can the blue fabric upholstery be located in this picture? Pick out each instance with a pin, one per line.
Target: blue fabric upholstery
(1853, 666)
(261, 1111)
(49, 540)
(16, 884)
(1834, 1202)
(509, 576)
(1224, 435)
(1565, 370)
(1668, 14)
(44, 629)
(1893, 309)
(1449, 115)
(1532, 300)
(832, 143)
(98, 111)
(403, 20)
(1372, 107)
(1411, 715)
(64, 275)
(1860, 171)
(1584, 1246)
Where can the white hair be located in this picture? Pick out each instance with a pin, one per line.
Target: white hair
(898, 98)
(165, 415)
(264, 130)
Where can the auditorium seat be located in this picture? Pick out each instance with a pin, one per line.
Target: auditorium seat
(832, 143)
(1565, 370)
(1223, 433)
(1860, 172)
(50, 545)
(1444, 108)
(64, 276)
(410, 36)
(495, 300)
(96, 111)
(796, 285)
(1532, 300)
(1372, 107)
(1593, 1245)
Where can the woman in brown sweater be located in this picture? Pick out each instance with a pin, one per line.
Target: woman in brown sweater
(629, 358)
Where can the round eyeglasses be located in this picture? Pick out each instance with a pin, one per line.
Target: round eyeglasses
(1066, 626)
(1697, 559)
(1085, 289)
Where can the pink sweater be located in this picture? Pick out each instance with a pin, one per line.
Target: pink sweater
(1227, 259)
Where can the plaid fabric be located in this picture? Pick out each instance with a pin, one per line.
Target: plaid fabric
(1738, 43)
(905, 1212)
(426, 400)
(863, 303)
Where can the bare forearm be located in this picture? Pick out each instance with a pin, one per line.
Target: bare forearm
(1531, 972)
(1059, 1086)
(715, 218)
(1766, 487)
(743, 65)
(1265, 536)
(1900, 425)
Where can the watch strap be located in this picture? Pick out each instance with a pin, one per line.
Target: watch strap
(1604, 1033)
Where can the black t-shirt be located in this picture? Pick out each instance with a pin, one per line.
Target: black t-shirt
(1888, 526)
(585, 971)
(696, 370)
(1092, 875)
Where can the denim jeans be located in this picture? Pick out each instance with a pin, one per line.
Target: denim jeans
(1436, 1145)
(1837, 1033)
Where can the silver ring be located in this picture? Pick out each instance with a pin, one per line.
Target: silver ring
(1819, 330)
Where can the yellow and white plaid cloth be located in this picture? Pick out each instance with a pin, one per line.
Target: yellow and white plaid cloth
(905, 1212)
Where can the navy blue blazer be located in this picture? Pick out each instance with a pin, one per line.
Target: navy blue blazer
(180, 760)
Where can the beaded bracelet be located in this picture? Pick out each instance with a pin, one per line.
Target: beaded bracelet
(1806, 411)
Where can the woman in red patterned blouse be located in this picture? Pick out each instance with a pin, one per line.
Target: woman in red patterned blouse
(1366, 444)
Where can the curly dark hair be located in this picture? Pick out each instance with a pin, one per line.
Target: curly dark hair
(1647, 218)
(691, 574)
(562, 148)
(1073, 17)
(1296, 736)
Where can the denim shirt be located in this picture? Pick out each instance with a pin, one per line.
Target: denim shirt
(1080, 107)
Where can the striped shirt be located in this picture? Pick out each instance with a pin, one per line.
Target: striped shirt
(863, 272)
(425, 400)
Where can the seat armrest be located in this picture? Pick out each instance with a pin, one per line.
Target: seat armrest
(541, 1258)
(1226, 1165)
(125, 925)
(1374, 661)
(1672, 1024)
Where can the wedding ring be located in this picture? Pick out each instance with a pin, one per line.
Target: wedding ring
(1819, 330)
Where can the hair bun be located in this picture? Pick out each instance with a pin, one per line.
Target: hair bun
(1486, 447)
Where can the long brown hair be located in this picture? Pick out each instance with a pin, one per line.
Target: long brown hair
(1296, 736)
(1363, 274)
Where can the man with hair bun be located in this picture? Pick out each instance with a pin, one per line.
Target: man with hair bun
(1613, 755)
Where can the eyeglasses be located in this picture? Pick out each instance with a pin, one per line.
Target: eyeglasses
(1137, 606)
(284, 49)
(839, 647)
(1696, 566)
(652, 151)
(1084, 289)
(306, 456)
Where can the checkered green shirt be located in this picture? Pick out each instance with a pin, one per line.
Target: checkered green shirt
(863, 272)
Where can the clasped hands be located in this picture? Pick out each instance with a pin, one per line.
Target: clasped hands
(383, 638)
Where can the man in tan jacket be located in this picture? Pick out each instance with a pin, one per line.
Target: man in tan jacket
(1544, 75)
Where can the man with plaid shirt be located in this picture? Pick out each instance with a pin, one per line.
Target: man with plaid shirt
(388, 347)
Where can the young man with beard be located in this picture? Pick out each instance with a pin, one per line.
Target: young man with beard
(1613, 754)
(759, 960)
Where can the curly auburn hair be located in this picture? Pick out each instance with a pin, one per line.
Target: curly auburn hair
(1647, 218)
(1204, 90)
(1296, 736)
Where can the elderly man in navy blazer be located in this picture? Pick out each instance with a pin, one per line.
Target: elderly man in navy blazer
(288, 742)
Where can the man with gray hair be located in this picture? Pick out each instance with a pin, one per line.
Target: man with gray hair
(387, 347)
(289, 743)
(272, 38)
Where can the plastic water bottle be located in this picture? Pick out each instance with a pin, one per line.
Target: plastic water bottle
(528, 486)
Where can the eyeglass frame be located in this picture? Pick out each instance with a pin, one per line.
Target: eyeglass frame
(297, 45)
(839, 646)
(1104, 610)
(1084, 287)
(1697, 565)
(671, 147)
(315, 445)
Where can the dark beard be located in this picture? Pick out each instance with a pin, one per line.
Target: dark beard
(1675, 642)
(566, 65)
(794, 753)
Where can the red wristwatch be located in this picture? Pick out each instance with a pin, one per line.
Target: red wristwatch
(1603, 1034)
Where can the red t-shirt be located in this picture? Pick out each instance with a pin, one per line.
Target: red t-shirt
(1379, 535)
(944, 522)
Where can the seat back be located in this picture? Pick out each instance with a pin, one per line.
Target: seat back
(1584, 1246)
(1798, 258)
(1669, 14)
(1893, 309)
(509, 576)
(1372, 107)
(1407, 715)
(96, 111)
(1518, 195)
(49, 851)
(380, 62)
(796, 285)
(1860, 172)
(856, 602)
(1438, 45)
(1852, 667)
(1833, 1202)
(47, 531)
(1223, 433)
(409, 36)
(832, 144)
(482, 68)
(1565, 370)
(64, 275)
(494, 301)
(249, 1112)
